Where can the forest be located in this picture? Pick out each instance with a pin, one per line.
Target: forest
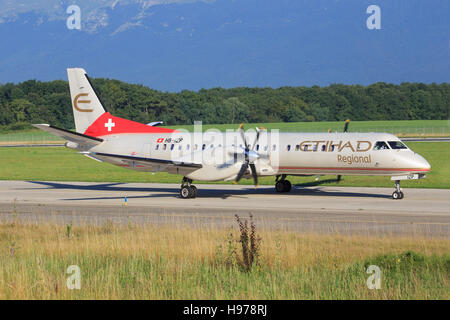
(49, 102)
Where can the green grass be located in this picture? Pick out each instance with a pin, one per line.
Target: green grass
(401, 128)
(29, 137)
(61, 164)
(149, 262)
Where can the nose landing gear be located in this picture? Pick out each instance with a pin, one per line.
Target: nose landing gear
(187, 189)
(398, 194)
(282, 185)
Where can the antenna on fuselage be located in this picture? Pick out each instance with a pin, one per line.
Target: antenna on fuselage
(347, 122)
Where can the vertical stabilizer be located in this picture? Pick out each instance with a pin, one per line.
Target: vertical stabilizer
(85, 103)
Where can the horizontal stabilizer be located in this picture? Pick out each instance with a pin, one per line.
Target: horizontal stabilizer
(79, 138)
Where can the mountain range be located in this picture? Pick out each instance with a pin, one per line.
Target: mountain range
(172, 45)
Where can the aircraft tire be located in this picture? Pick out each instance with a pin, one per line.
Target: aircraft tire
(396, 195)
(287, 186)
(194, 192)
(280, 186)
(186, 192)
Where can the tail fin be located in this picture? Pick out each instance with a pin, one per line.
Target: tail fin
(86, 105)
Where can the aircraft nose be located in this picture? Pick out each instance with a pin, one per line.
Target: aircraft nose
(421, 162)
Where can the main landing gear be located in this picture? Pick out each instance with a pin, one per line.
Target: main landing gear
(187, 189)
(398, 194)
(282, 185)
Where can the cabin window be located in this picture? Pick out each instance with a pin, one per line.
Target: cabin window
(164, 146)
(274, 147)
(265, 148)
(305, 148)
(397, 145)
(203, 146)
(171, 147)
(180, 147)
(288, 147)
(323, 147)
(380, 145)
(297, 147)
(188, 147)
(257, 147)
(157, 147)
(212, 146)
(195, 146)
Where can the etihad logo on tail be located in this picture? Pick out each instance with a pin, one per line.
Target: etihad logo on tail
(76, 101)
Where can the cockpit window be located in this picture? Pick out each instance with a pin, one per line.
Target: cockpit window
(380, 145)
(397, 145)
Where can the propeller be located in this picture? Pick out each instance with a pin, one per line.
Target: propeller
(250, 156)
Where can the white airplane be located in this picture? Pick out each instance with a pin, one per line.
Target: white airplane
(214, 156)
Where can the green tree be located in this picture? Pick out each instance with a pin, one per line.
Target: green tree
(19, 108)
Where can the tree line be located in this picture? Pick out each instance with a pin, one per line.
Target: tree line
(49, 102)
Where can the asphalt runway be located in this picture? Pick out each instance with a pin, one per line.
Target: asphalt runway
(319, 209)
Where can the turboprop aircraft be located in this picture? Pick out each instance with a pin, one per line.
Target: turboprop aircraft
(214, 155)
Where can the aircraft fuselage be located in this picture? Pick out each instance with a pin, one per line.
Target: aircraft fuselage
(288, 153)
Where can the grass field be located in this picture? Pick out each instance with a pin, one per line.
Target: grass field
(180, 262)
(29, 137)
(62, 164)
(407, 128)
(402, 128)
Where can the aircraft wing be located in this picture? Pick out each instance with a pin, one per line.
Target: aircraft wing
(149, 163)
(81, 139)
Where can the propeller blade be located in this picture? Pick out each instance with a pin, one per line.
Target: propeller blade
(241, 172)
(258, 132)
(255, 176)
(241, 131)
(346, 125)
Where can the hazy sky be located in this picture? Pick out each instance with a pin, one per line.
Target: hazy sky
(174, 45)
